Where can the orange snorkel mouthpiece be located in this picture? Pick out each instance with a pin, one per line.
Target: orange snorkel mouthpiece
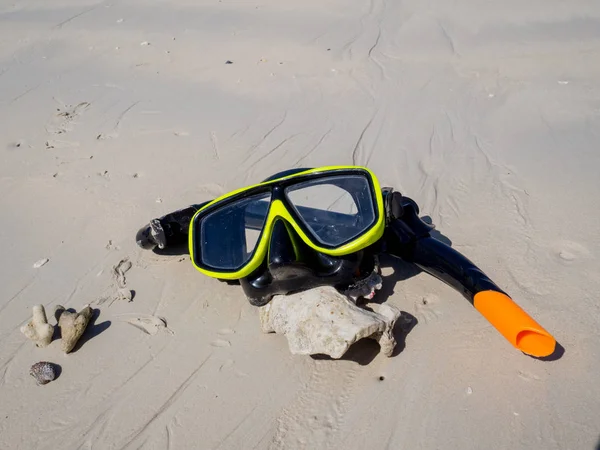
(514, 324)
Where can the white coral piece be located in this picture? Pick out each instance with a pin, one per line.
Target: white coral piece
(324, 321)
(72, 325)
(38, 329)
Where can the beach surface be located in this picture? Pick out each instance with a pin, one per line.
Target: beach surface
(112, 113)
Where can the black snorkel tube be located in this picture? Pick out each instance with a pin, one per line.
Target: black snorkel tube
(409, 238)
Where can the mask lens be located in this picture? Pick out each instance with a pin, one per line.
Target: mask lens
(229, 235)
(336, 209)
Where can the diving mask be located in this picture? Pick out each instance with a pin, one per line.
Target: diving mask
(334, 211)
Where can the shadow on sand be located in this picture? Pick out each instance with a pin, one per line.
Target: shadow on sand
(365, 350)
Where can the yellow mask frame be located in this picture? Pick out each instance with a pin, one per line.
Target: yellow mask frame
(279, 210)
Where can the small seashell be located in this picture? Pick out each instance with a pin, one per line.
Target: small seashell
(43, 372)
(40, 263)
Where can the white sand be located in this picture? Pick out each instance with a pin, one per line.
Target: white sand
(486, 113)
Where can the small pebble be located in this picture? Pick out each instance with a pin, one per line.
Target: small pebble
(469, 390)
(145, 43)
(124, 295)
(228, 62)
(111, 246)
(40, 263)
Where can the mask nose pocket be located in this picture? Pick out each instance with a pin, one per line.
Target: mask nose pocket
(281, 245)
(288, 254)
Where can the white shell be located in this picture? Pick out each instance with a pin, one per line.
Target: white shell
(40, 263)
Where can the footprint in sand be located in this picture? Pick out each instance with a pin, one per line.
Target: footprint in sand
(55, 143)
(119, 271)
(220, 343)
(150, 324)
(226, 365)
(63, 120)
(223, 342)
(527, 376)
(425, 308)
(106, 136)
(225, 331)
(569, 251)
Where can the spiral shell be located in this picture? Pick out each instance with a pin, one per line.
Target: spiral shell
(43, 372)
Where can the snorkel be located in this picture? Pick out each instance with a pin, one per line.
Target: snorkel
(289, 255)
(409, 238)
